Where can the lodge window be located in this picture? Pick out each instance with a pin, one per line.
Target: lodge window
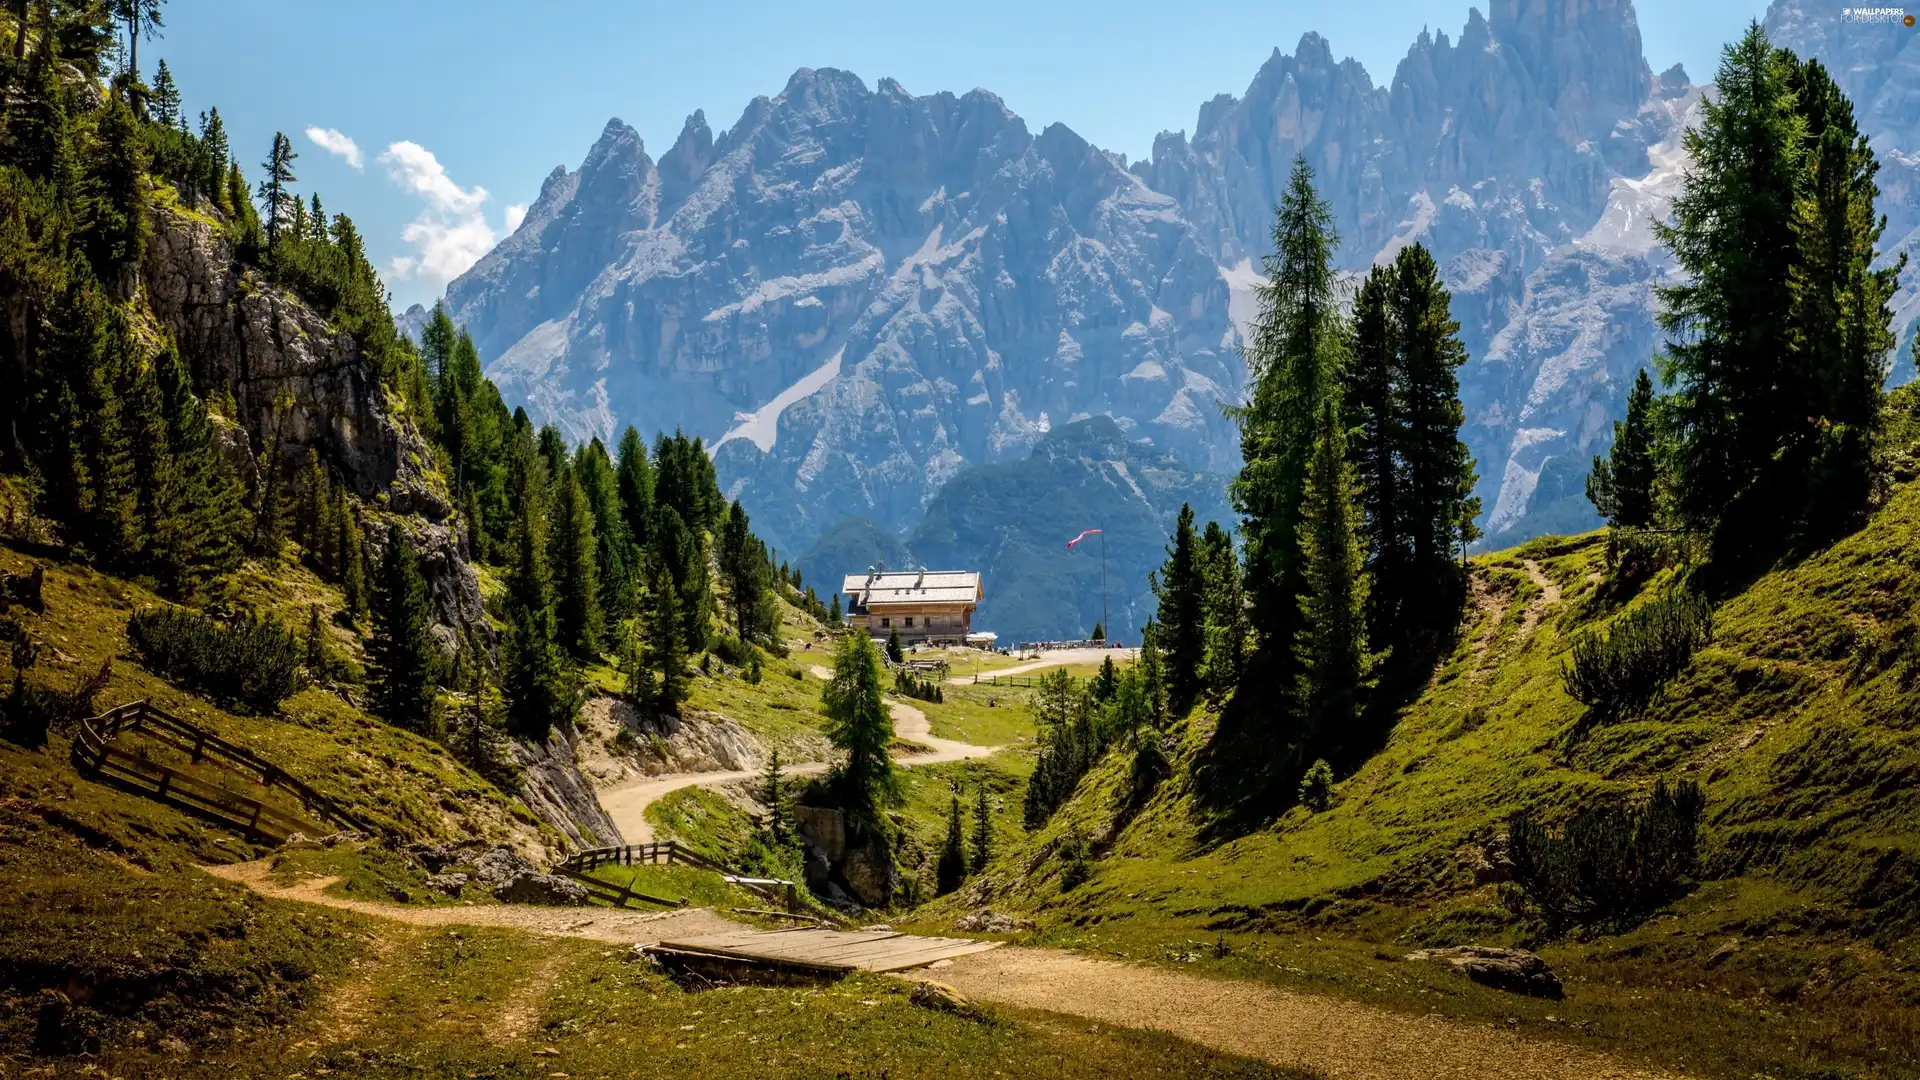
(909, 622)
(885, 622)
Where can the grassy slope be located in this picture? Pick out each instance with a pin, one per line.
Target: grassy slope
(1798, 953)
(397, 781)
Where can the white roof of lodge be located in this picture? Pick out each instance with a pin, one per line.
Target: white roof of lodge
(913, 587)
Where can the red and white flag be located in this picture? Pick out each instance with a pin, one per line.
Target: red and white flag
(1081, 537)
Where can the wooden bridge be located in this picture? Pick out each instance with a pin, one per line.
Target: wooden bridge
(95, 751)
(580, 866)
(810, 952)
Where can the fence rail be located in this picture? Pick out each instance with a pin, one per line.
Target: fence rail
(96, 751)
(581, 864)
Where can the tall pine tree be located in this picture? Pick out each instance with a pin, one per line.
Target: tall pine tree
(1621, 485)
(1181, 590)
(1437, 495)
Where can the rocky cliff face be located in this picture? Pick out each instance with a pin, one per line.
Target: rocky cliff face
(259, 342)
(856, 292)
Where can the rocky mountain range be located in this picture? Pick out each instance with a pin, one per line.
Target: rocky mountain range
(855, 293)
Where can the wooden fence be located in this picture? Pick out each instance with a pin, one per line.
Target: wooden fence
(95, 751)
(580, 865)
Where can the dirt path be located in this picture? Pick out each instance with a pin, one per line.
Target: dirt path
(627, 803)
(1549, 597)
(597, 924)
(1341, 1039)
(1058, 658)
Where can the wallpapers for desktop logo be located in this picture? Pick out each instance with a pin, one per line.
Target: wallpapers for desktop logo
(1876, 16)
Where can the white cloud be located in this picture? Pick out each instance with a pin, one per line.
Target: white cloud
(451, 234)
(414, 167)
(334, 142)
(516, 213)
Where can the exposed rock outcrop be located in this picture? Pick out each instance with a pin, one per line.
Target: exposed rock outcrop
(1516, 971)
(553, 787)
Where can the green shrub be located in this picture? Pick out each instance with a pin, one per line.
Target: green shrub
(1316, 788)
(252, 660)
(730, 649)
(1611, 866)
(1620, 671)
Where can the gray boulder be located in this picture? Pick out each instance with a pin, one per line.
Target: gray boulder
(1516, 971)
(537, 888)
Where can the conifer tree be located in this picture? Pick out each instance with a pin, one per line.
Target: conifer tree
(743, 565)
(575, 559)
(1181, 615)
(1225, 607)
(1297, 344)
(400, 655)
(215, 157)
(353, 562)
(682, 555)
(1841, 318)
(1335, 665)
(139, 18)
(859, 725)
(1374, 397)
(1105, 682)
(834, 615)
(951, 870)
(205, 521)
(772, 795)
(536, 682)
(1729, 320)
(635, 477)
(1621, 485)
(666, 647)
(165, 99)
(982, 850)
(278, 173)
(316, 645)
(618, 560)
(896, 654)
(1438, 491)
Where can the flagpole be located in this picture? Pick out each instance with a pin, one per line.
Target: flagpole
(1105, 630)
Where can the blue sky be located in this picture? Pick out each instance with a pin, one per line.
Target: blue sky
(459, 110)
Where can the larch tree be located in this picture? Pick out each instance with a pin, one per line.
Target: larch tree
(666, 648)
(1297, 344)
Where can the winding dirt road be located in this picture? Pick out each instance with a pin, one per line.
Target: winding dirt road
(627, 803)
